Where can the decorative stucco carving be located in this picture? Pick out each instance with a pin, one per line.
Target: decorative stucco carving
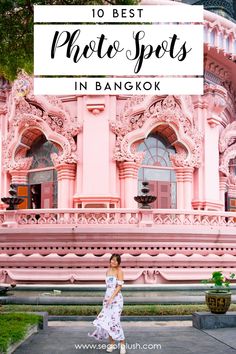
(215, 97)
(151, 276)
(65, 158)
(227, 148)
(3, 109)
(227, 136)
(45, 113)
(137, 120)
(217, 74)
(211, 65)
(21, 164)
(225, 158)
(232, 179)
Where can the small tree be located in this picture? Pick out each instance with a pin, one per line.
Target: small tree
(16, 31)
(219, 281)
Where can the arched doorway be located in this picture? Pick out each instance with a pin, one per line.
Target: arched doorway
(42, 177)
(40, 188)
(157, 170)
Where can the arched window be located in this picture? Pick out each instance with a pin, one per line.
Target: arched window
(232, 166)
(221, 41)
(42, 176)
(157, 151)
(230, 200)
(227, 44)
(205, 34)
(212, 38)
(157, 170)
(41, 151)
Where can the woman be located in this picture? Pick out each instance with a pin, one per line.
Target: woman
(108, 320)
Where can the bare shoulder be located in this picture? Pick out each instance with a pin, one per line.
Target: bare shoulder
(120, 273)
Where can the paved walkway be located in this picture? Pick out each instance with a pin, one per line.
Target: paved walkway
(142, 337)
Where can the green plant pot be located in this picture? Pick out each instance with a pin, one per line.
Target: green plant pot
(218, 301)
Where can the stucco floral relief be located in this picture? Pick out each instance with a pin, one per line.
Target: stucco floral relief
(227, 148)
(26, 111)
(140, 116)
(228, 135)
(225, 158)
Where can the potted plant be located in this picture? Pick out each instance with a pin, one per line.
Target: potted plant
(218, 298)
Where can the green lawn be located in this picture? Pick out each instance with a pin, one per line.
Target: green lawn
(93, 310)
(13, 327)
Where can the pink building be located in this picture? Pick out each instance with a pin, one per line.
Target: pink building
(78, 161)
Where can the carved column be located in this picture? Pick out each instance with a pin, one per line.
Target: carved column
(184, 179)
(200, 109)
(188, 187)
(19, 176)
(128, 173)
(232, 190)
(16, 173)
(3, 111)
(232, 186)
(66, 181)
(223, 188)
(19, 169)
(180, 187)
(215, 99)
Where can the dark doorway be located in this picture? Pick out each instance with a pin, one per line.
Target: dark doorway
(35, 196)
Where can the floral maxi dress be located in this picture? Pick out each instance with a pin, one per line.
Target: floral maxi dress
(108, 320)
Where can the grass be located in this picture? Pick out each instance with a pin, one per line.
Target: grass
(93, 310)
(14, 326)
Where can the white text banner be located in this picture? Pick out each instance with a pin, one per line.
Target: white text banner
(118, 50)
(114, 86)
(88, 13)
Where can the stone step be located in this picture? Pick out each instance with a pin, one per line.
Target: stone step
(207, 320)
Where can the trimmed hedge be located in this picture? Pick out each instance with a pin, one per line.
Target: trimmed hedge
(93, 310)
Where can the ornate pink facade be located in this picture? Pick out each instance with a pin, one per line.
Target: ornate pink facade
(78, 162)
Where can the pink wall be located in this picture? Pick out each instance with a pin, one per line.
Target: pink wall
(97, 166)
(101, 167)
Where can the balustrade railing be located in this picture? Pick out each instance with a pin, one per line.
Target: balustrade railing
(72, 217)
(111, 217)
(194, 218)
